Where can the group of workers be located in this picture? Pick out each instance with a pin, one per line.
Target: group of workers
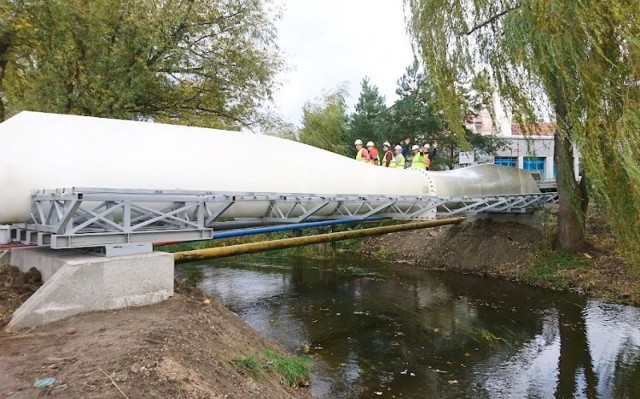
(398, 158)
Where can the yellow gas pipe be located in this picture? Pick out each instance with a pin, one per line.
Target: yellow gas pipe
(240, 249)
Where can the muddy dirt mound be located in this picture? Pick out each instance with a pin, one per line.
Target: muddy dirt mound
(180, 348)
(15, 288)
(472, 246)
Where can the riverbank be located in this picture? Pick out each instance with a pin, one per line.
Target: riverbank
(189, 346)
(192, 346)
(518, 252)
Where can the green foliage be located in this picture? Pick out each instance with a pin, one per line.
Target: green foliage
(547, 270)
(251, 363)
(416, 115)
(296, 371)
(578, 60)
(367, 122)
(324, 123)
(202, 62)
(383, 253)
(413, 115)
(284, 130)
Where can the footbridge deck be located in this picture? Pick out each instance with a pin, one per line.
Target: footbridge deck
(129, 221)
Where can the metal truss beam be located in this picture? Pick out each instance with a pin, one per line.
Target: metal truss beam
(91, 217)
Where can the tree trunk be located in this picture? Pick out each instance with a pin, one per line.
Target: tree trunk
(5, 44)
(572, 199)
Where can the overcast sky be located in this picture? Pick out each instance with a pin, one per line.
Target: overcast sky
(330, 42)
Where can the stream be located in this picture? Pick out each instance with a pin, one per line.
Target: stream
(397, 331)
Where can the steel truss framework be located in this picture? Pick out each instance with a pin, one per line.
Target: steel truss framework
(91, 217)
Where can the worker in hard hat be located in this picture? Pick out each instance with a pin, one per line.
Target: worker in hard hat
(427, 158)
(398, 159)
(431, 152)
(419, 157)
(362, 154)
(388, 155)
(406, 148)
(374, 155)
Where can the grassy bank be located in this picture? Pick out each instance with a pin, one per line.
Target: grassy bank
(521, 253)
(294, 370)
(598, 270)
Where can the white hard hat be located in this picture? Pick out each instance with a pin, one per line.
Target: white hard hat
(386, 143)
(358, 142)
(370, 144)
(426, 146)
(415, 147)
(397, 147)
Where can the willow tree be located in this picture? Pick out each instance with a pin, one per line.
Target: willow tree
(201, 62)
(578, 59)
(324, 122)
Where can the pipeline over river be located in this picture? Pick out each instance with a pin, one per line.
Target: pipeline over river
(50, 151)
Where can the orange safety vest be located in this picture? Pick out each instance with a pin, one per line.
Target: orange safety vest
(373, 155)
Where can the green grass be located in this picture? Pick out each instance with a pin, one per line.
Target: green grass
(547, 270)
(295, 370)
(251, 363)
(383, 253)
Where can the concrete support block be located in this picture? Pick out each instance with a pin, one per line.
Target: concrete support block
(78, 283)
(47, 261)
(5, 234)
(4, 257)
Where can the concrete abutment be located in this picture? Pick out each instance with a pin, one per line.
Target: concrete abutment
(77, 283)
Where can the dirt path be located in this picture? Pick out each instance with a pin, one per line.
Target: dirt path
(180, 348)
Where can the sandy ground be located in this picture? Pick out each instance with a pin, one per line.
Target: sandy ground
(180, 348)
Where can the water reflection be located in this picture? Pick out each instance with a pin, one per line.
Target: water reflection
(395, 330)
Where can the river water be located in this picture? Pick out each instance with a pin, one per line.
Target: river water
(395, 330)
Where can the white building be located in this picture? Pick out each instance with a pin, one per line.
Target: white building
(533, 151)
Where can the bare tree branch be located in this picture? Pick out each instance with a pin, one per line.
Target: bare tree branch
(492, 19)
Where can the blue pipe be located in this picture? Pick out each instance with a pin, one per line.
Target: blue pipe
(294, 226)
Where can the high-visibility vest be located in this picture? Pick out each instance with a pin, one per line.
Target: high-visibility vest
(397, 162)
(359, 156)
(419, 161)
(383, 161)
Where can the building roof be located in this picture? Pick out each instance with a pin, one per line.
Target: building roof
(539, 129)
